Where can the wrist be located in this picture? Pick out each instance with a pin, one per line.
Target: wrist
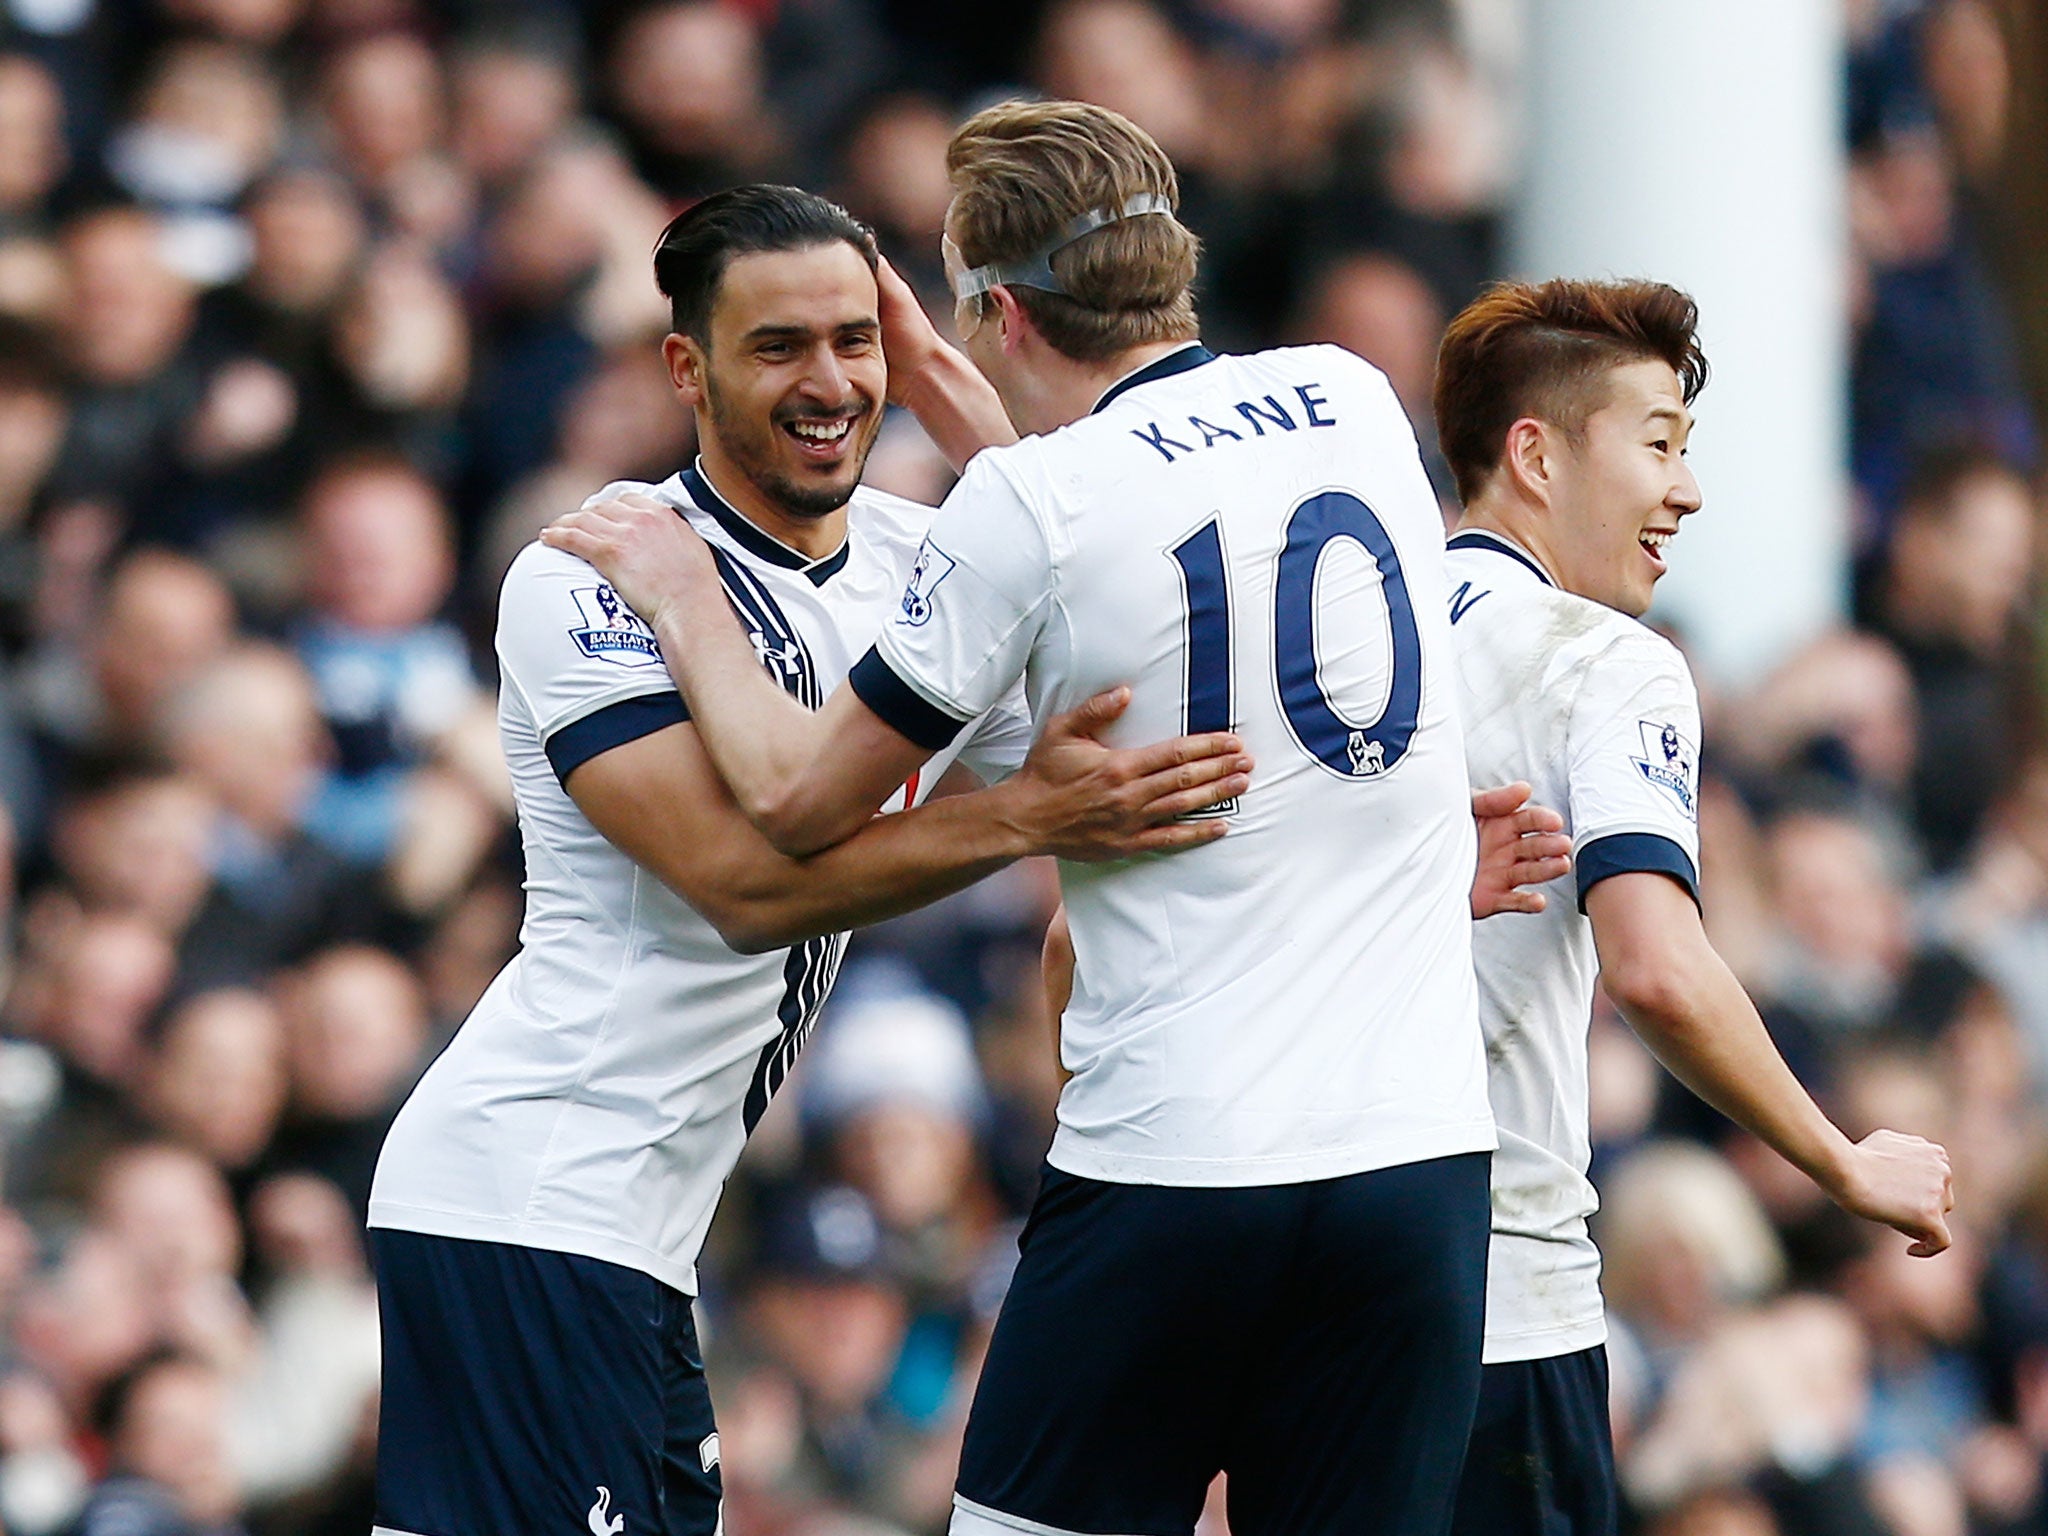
(929, 376)
(1007, 812)
(1836, 1169)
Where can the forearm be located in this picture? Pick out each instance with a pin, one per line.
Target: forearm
(1701, 1024)
(893, 865)
(764, 743)
(958, 408)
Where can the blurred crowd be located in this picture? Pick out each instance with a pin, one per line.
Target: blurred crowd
(311, 311)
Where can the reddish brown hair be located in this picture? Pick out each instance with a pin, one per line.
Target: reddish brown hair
(1545, 350)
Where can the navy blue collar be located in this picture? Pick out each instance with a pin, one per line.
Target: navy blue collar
(1193, 355)
(754, 541)
(1481, 538)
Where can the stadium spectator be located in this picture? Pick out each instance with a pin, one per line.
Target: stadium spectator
(1845, 938)
(355, 1028)
(687, 81)
(392, 677)
(1953, 601)
(512, 92)
(165, 618)
(216, 1079)
(33, 155)
(166, 1425)
(127, 327)
(248, 729)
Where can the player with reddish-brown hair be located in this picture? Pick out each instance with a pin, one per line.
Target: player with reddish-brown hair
(1564, 408)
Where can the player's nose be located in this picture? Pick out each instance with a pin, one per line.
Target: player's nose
(1685, 494)
(827, 381)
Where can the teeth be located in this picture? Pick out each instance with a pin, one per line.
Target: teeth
(1657, 540)
(821, 431)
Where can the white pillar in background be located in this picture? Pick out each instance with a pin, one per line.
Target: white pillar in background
(1700, 142)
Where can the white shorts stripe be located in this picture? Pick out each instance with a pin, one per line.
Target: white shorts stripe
(972, 1519)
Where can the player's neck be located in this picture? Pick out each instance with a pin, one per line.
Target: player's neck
(1506, 519)
(1067, 390)
(812, 537)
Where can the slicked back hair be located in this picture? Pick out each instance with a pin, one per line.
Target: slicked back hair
(699, 244)
(1023, 171)
(1544, 350)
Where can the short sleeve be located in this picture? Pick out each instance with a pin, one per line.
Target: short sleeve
(1000, 740)
(1634, 746)
(970, 614)
(590, 672)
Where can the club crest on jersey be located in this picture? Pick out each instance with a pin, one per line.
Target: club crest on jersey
(1368, 756)
(611, 631)
(932, 566)
(1670, 762)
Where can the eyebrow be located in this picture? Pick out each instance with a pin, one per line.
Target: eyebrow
(1671, 414)
(800, 332)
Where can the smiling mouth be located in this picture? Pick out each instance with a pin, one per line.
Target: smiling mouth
(820, 438)
(1654, 542)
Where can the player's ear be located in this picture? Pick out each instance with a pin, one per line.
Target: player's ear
(1529, 458)
(686, 365)
(1011, 320)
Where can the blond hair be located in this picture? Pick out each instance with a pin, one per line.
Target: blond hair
(1022, 172)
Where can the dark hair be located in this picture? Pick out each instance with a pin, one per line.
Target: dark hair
(691, 257)
(29, 360)
(1942, 472)
(1544, 350)
(109, 1407)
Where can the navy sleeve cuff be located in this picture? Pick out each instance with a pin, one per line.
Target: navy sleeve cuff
(613, 726)
(1628, 853)
(878, 687)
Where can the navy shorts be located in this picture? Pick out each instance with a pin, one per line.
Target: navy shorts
(527, 1390)
(1541, 1461)
(1318, 1342)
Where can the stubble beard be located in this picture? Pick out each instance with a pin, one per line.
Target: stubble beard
(750, 446)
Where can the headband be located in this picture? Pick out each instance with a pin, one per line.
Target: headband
(1035, 270)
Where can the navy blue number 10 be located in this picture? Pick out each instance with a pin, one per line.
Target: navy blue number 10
(1360, 751)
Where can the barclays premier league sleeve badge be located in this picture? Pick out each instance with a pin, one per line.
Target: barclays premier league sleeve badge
(611, 631)
(1671, 763)
(933, 565)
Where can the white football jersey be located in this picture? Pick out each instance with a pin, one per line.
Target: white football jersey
(597, 1097)
(1250, 543)
(1599, 715)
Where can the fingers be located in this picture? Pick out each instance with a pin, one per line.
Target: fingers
(1539, 871)
(1502, 801)
(614, 511)
(1187, 801)
(1550, 849)
(572, 538)
(1517, 901)
(1182, 752)
(1204, 779)
(1093, 714)
(1540, 821)
(894, 290)
(1933, 1239)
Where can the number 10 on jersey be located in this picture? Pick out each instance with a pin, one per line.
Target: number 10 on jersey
(1360, 751)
